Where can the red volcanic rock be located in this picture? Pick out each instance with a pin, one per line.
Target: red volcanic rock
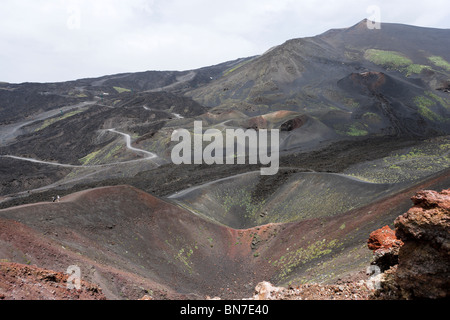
(23, 282)
(383, 238)
(385, 246)
(427, 220)
(431, 199)
(424, 260)
(423, 269)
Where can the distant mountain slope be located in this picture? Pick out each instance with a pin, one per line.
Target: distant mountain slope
(68, 137)
(345, 84)
(417, 43)
(18, 101)
(406, 66)
(174, 81)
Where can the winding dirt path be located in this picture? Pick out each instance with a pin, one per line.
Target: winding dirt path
(148, 156)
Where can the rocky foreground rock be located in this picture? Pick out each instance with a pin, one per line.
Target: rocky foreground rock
(385, 246)
(413, 260)
(23, 282)
(419, 252)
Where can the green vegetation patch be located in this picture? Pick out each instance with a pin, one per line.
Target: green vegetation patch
(416, 69)
(407, 165)
(423, 104)
(227, 72)
(51, 121)
(429, 114)
(101, 156)
(354, 130)
(398, 61)
(439, 62)
(445, 102)
(241, 198)
(184, 255)
(90, 157)
(121, 90)
(300, 256)
(387, 58)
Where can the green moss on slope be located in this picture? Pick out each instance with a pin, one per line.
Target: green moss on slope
(423, 104)
(440, 62)
(121, 90)
(297, 257)
(391, 59)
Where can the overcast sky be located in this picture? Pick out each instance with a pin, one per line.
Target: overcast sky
(60, 40)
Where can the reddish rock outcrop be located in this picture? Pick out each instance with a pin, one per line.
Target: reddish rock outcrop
(22, 282)
(428, 220)
(423, 270)
(385, 246)
(424, 260)
(347, 291)
(383, 238)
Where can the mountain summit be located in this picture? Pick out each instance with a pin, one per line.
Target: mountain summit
(370, 80)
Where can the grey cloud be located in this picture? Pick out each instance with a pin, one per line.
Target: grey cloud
(48, 40)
